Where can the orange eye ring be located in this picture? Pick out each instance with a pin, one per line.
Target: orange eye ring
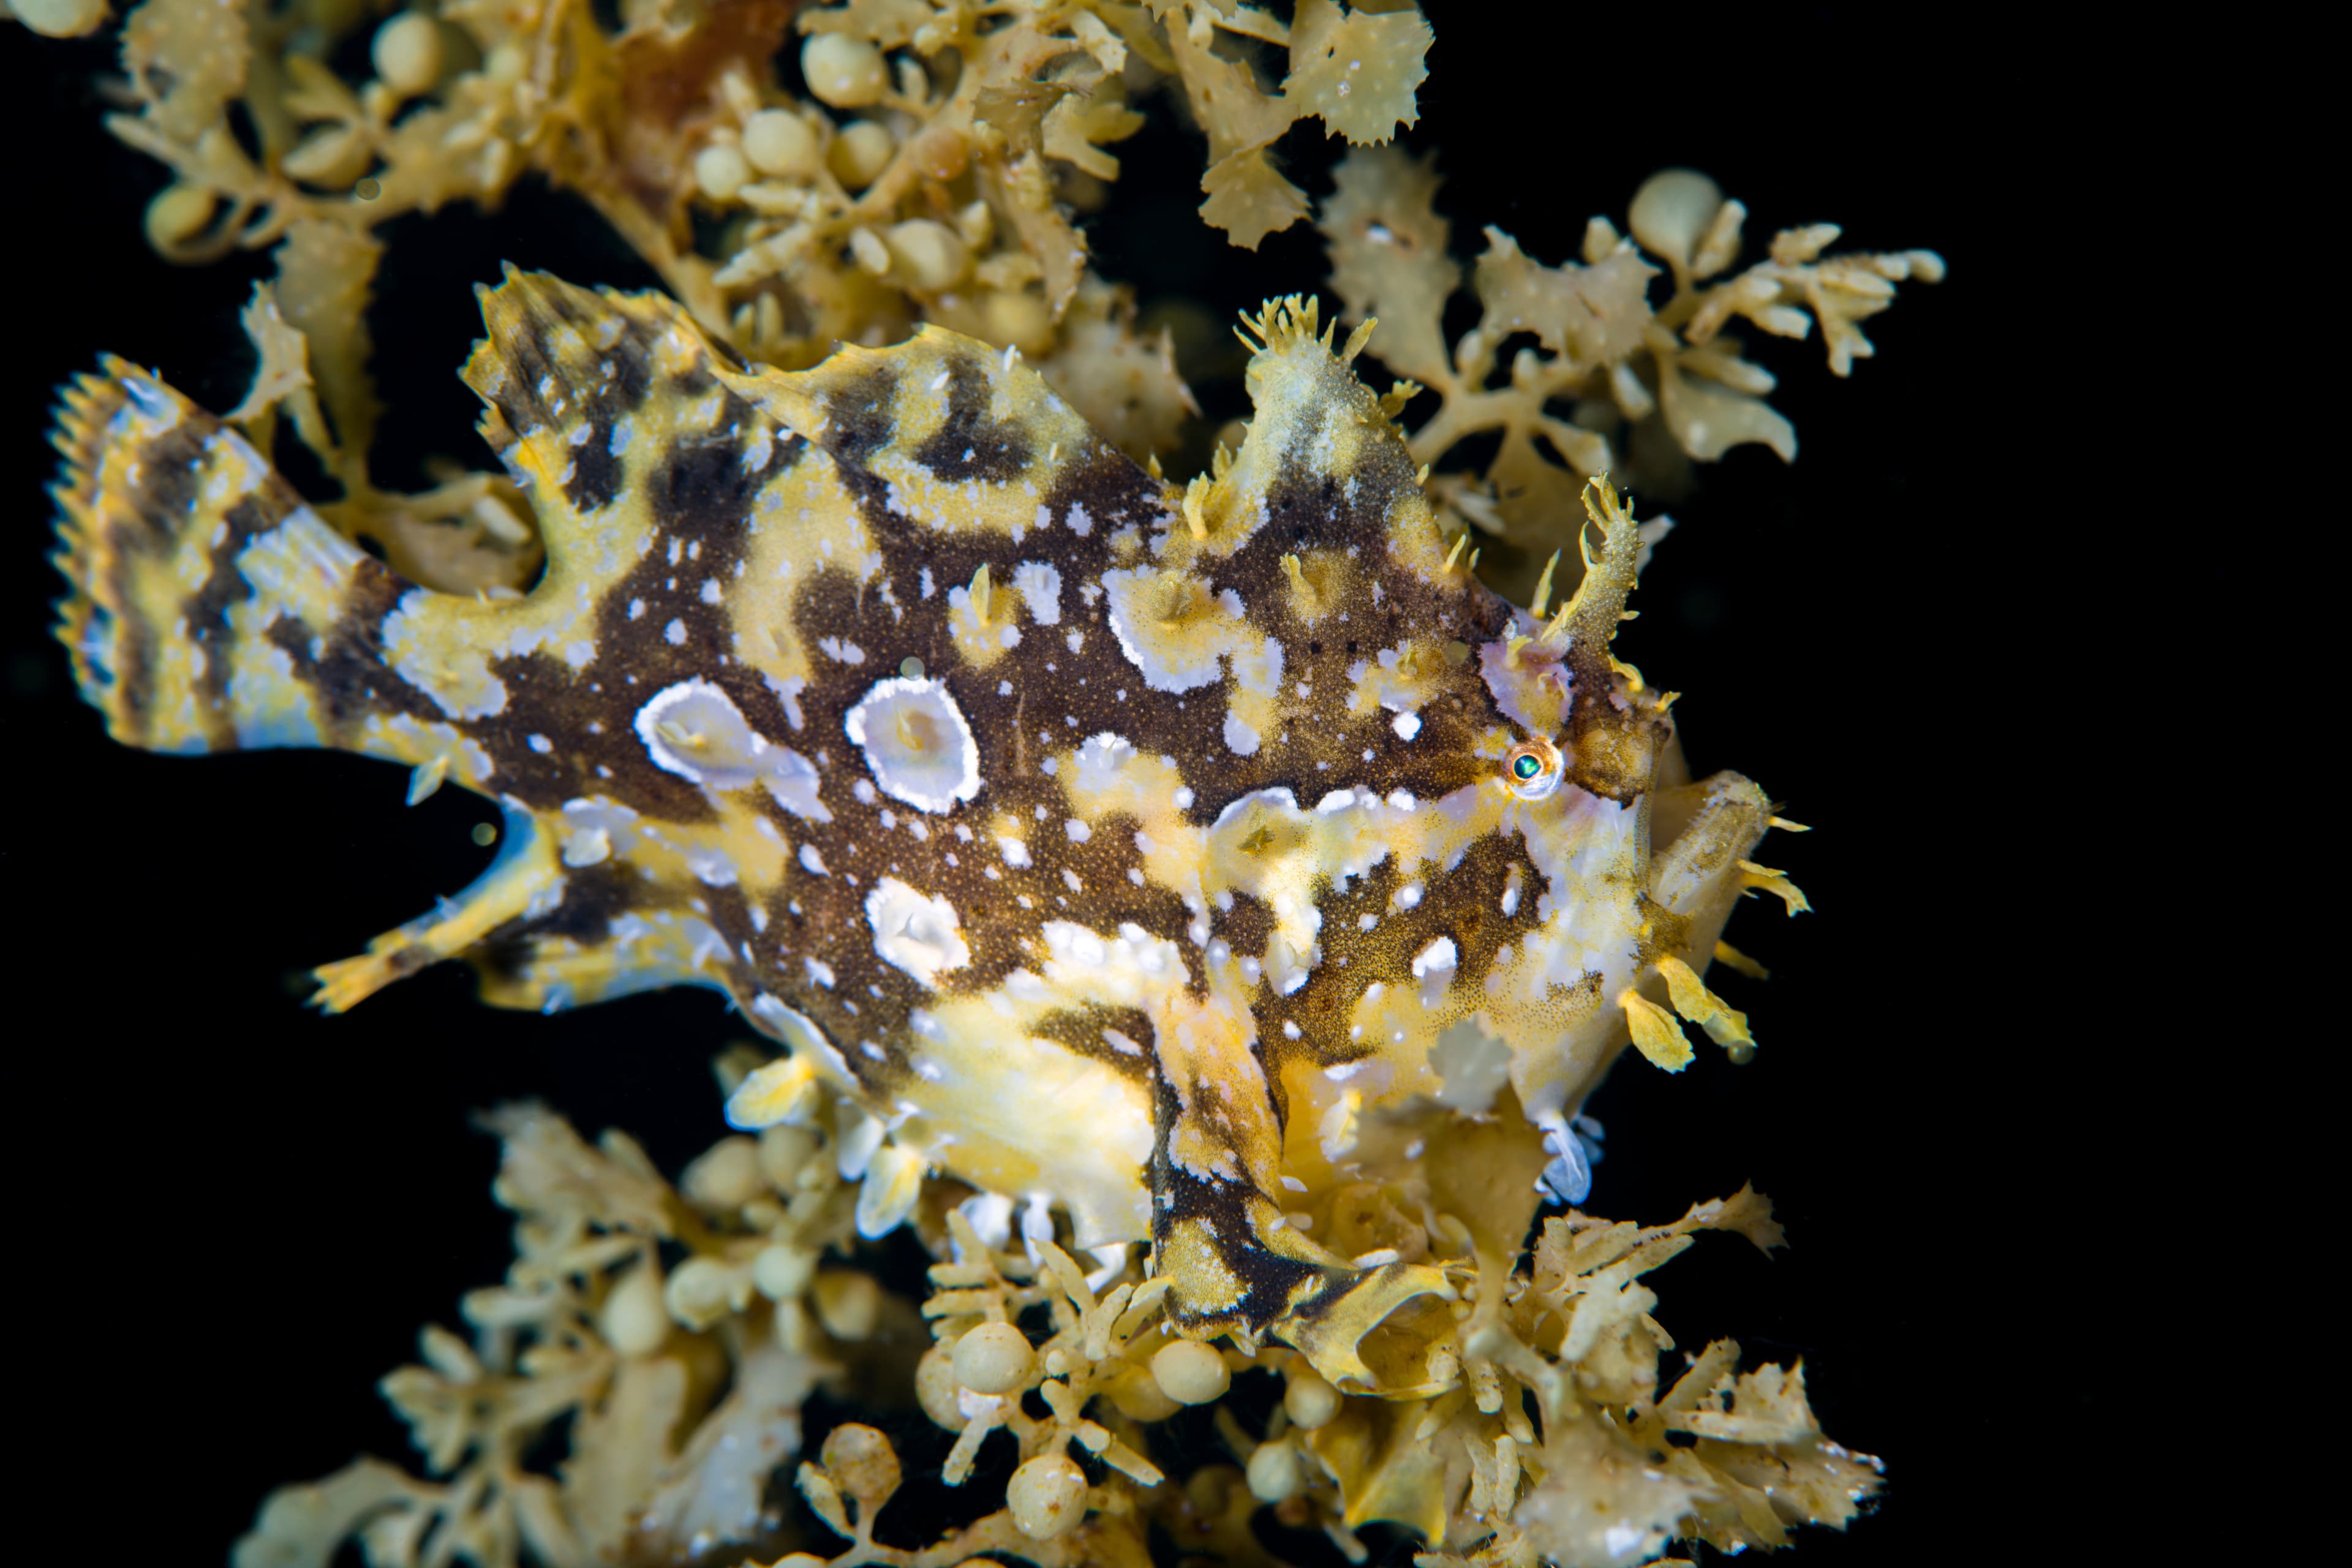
(1533, 769)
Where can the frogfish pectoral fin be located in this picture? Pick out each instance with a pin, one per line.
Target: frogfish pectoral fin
(525, 878)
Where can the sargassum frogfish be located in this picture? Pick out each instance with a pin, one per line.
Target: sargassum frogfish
(1152, 853)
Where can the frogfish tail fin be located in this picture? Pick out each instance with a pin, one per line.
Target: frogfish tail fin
(208, 607)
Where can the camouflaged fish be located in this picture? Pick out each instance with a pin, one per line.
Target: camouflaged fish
(1117, 848)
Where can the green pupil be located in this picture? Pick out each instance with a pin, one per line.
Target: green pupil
(1527, 767)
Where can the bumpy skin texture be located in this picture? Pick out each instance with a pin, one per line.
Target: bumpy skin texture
(1140, 874)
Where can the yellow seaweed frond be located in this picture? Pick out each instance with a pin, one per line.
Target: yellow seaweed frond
(1357, 70)
(1602, 349)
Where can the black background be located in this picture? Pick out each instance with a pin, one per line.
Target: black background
(233, 1214)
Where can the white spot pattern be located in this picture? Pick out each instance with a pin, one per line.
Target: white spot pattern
(917, 742)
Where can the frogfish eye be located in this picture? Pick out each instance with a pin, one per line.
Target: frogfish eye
(1533, 769)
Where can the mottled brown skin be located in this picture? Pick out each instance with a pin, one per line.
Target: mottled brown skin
(713, 527)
